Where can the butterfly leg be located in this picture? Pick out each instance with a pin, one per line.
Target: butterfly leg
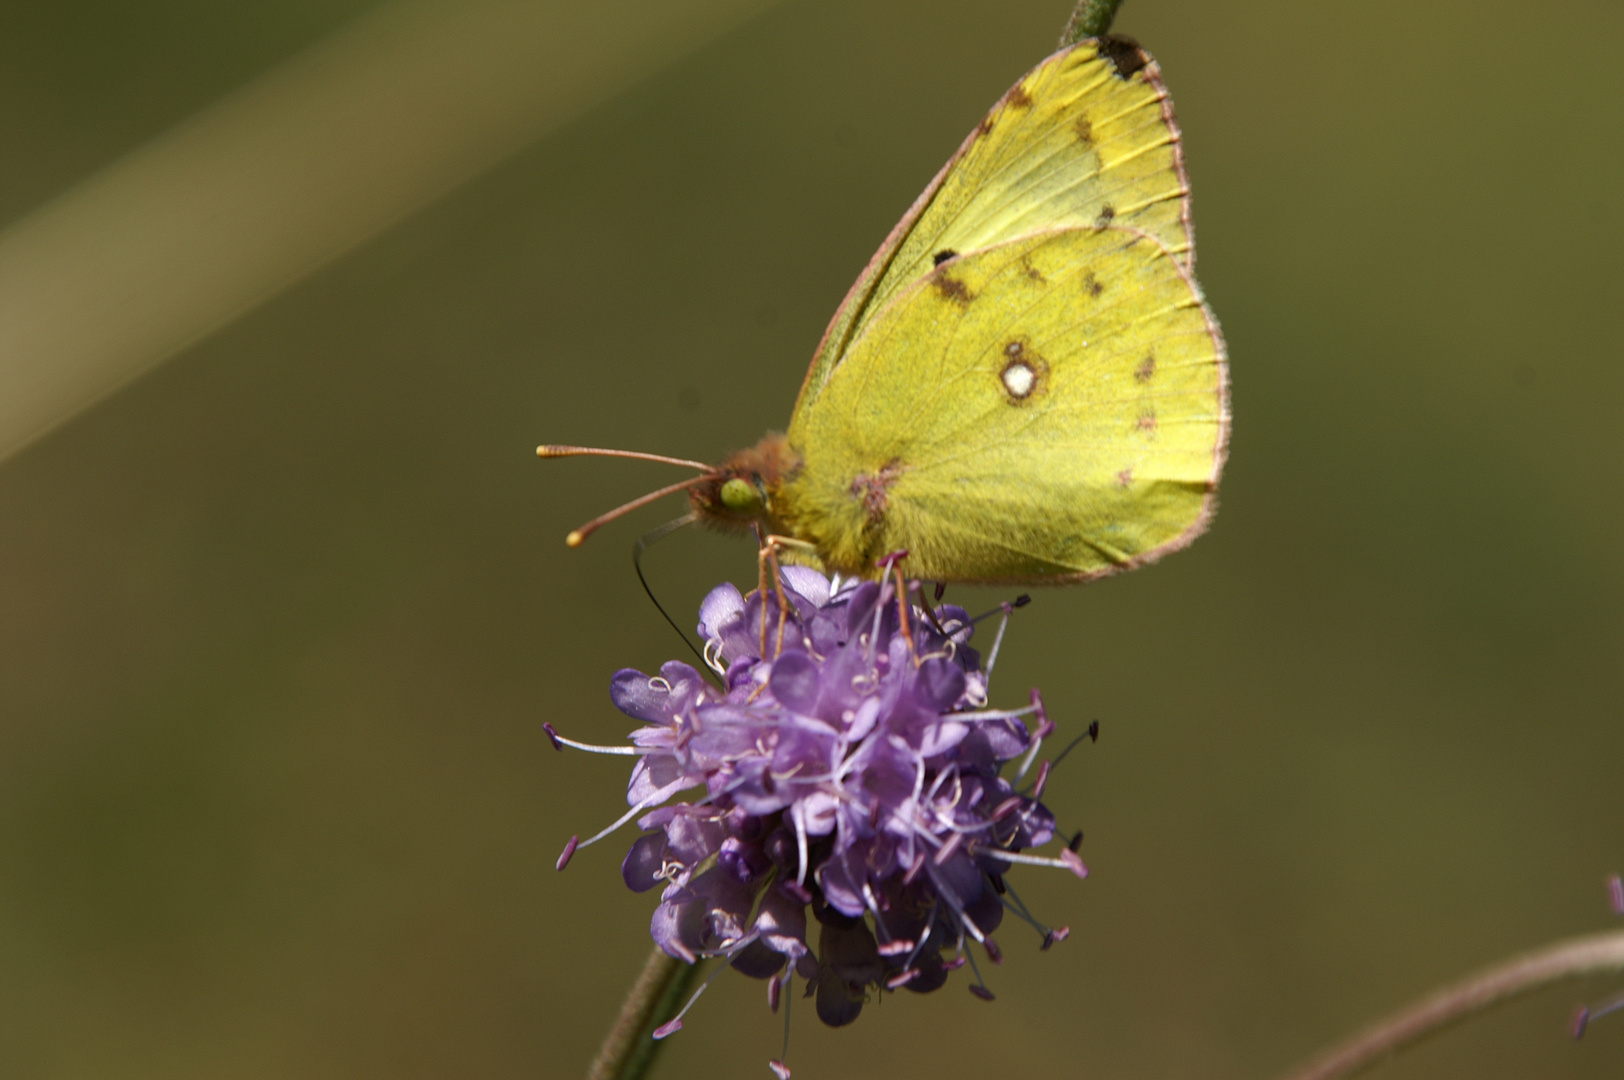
(903, 605)
(768, 558)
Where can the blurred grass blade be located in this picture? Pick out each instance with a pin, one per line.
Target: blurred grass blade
(243, 199)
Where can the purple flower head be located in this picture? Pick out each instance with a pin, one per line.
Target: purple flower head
(850, 770)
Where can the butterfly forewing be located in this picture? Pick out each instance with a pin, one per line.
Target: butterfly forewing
(1087, 137)
(1049, 408)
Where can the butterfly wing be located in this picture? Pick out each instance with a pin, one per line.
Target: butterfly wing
(1052, 408)
(1086, 137)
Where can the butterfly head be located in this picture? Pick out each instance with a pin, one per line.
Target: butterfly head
(738, 494)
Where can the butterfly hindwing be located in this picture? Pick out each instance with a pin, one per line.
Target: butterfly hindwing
(1045, 409)
(1087, 137)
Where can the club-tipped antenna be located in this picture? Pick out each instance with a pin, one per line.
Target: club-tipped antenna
(551, 451)
(648, 540)
(578, 536)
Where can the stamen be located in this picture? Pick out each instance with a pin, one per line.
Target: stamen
(569, 852)
(1013, 902)
(994, 953)
(778, 1067)
(901, 979)
(945, 852)
(1093, 733)
(1615, 894)
(674, 1025)
(559, 742)
(1582, 1018)
(1007, 807)
(1067, 860)
(653, 800)
(991, 714)
(1045, 729)
(930, 928)
(1042, 781)
(800, 845)
(979, 987)
(997, 643)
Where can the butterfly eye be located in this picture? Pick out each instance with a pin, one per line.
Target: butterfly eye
(740, 496)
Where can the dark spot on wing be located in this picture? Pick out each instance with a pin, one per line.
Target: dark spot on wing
(1031, 271)
(1147, 422)
(873, 489)
(1146, 369)
(1018, 98)
(1091, 284)
(1107, 215)
(1084, 129)
(1123, 54)
(943, 255)
(952, 288)
(1124, 478)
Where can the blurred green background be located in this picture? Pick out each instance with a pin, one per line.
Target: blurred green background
(280, 622)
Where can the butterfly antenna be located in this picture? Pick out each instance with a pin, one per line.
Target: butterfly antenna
(578, 536)
(648, 540)
(551, 451)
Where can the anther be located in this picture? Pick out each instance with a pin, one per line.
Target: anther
(668, 1029)
(1094, 731)
(779, 1069)
(553, 735)
(569, 851)
(1054, 937)
(981, 992)
(945, 852)
(994, 953)
(897, 947)
(1043, 779)
(774, 988)
(1582, 1019)
(1073, 863)
(902, 979)
(1615, 894)
(1011, 804)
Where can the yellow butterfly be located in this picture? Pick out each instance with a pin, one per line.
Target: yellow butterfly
(1024, 385)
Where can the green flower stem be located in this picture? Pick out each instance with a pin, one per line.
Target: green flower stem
(1493, 986)
(1090, 18)
(629, 1048)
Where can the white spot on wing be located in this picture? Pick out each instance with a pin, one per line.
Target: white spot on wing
(1019, 380)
